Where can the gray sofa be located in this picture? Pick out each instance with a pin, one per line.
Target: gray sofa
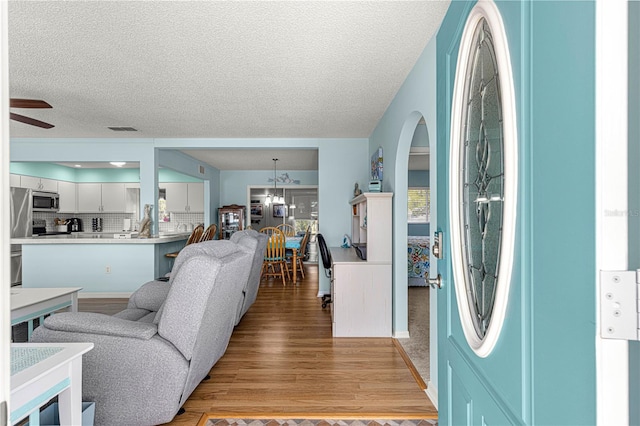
(145, 364)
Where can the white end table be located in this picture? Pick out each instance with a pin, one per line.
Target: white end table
(28, 304)
(40, 371)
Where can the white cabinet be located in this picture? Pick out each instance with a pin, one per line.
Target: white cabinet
(361, 289)
(113, 199)
(67, 191)
(195, 197)
(39, 184)
(361, 295)
(14, 180)
(184, 197)
(101, 197)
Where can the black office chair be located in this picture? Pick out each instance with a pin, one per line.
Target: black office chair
(326, 262)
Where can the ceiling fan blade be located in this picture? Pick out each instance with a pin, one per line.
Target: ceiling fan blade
(32, 121)
(28, 103)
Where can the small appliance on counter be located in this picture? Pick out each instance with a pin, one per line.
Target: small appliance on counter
(75, 224)
(96, 224)
(126, 225)
(40, 228)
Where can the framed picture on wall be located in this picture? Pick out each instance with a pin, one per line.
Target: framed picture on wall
(279, 210)
(256, 211)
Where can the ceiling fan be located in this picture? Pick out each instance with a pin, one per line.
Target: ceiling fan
(29, 103)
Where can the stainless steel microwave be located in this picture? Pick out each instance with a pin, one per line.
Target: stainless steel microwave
(45, 201)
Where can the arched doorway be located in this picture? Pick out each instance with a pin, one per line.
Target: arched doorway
(415, 306)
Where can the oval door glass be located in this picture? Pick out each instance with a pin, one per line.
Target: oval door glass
(482, 179)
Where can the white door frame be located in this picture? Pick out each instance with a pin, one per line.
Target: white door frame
(612, 356)
(5, 255)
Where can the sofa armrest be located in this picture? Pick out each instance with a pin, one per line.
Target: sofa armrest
(90, 322)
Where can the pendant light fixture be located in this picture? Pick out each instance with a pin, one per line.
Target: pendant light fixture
(275, 198)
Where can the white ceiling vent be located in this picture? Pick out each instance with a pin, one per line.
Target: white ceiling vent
(123, 129)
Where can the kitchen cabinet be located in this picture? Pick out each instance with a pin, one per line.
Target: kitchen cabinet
(39, 184)
(14, 181)
(101, 197)
(230, 220)
(67, 191)
(184, 197)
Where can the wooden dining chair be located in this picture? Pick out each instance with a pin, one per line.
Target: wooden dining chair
(275, 260)
(302, 253)
(195, 236)
(287, 230)
(209, 233)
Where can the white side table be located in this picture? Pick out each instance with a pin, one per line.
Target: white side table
(40, 371)
(28, 304)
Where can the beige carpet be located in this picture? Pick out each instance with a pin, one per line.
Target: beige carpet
(417, 345)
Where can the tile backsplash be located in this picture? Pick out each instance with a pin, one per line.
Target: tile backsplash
(112, 222)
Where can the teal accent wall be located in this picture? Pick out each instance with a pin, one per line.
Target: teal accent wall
(542, 370)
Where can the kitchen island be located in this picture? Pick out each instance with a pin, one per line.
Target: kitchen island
(104, 266)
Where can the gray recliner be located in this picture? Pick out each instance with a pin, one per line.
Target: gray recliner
(142, 370)
(145, 301)
(250, 290)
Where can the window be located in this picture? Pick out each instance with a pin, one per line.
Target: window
(419, 205)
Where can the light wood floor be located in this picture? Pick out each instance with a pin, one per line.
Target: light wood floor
(282, 360)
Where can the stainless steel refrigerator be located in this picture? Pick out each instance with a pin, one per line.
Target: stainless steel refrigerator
(21, 227)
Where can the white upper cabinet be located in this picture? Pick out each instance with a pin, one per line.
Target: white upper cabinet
(184, 197)
(113, 199)
(67, 191)
(101, 197)
(196, 197)
(39, 184)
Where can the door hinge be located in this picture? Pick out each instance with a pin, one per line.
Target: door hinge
(619, 305)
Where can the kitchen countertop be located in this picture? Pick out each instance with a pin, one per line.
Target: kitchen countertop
(100, 238)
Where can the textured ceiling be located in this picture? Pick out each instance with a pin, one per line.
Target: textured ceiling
(213, 69)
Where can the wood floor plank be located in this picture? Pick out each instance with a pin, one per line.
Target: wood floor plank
(283, 362)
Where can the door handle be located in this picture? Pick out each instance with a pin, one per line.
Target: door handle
(433, 282)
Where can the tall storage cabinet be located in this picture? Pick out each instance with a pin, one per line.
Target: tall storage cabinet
(361, 289)
(230, 220)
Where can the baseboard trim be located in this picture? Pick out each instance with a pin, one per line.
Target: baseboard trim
(104, 295)
(432, 393)
(401, 335)
(410, 366)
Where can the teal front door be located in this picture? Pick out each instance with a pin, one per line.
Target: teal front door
(516, 313)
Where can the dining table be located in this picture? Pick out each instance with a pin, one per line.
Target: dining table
(293, 244)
